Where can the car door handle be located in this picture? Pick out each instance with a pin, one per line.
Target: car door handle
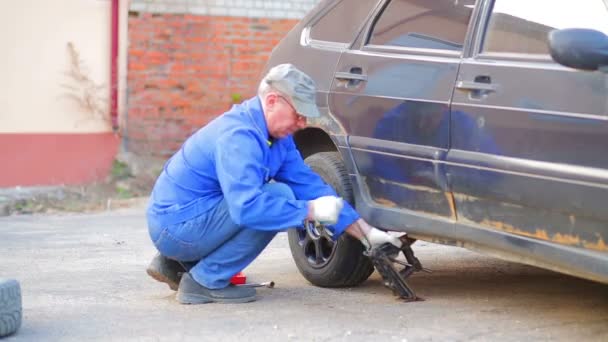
(473, 86)
(350, 76)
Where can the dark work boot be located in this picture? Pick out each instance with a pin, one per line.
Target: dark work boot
(191, 292)
(166, 270)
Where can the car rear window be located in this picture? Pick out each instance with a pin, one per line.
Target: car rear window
(342, 22)
(523, 26)
(436, 24)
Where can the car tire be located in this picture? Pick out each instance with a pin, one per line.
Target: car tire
(10, 306)
(321, 260)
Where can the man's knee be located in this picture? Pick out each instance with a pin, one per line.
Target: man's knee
(279, 189)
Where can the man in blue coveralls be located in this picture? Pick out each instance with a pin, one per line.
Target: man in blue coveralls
(234, 184)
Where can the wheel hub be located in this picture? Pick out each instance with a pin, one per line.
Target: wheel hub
(317, 244)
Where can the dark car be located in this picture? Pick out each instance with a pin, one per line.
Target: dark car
(449, 120)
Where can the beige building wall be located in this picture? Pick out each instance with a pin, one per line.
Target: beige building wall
(38, 91)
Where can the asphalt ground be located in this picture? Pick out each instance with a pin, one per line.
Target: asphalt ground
(83, 279)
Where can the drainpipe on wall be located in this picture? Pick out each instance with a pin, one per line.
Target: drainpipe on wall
(114, 66)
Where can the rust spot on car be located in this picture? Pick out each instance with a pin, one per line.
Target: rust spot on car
(566, 239)
(419, 188)
(563, 239)
(542, 234)
(388, 203)
(450, 197)
(600, 245)
(385, 202)
(424, 199)
(505, 227)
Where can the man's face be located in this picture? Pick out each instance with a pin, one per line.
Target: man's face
(281, 117)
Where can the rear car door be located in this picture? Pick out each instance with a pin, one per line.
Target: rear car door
(529, 137)
(391, 92)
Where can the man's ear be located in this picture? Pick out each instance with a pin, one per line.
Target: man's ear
(270, 100)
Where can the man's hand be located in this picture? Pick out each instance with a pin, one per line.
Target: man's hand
(370, 236)
(376, 237)
(326, 209)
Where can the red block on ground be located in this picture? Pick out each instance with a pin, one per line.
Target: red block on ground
(238, 279)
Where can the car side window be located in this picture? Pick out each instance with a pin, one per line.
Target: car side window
(430, 24)
(342, 22)
(522, 26)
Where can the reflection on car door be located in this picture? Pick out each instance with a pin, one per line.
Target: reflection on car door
(391, 93)
(529, 137)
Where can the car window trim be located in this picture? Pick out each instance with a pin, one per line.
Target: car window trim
(473, 29)
(321, 44)
(410, 51)
(516, 57)
(403, 55)
(306, 40)
(327, 45)
(481, 28)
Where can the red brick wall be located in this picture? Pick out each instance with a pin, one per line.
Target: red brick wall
(183, 70)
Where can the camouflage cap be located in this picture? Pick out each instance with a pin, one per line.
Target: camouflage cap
(294, 83)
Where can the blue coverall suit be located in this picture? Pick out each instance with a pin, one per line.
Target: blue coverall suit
(213, 203)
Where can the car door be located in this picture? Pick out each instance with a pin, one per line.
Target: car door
(391, 92)
(528, 142)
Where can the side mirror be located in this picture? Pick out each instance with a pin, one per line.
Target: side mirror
(579, 48)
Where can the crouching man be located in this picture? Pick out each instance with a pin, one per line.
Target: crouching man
(233, 185)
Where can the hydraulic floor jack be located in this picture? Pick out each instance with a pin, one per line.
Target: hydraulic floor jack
(384, 259)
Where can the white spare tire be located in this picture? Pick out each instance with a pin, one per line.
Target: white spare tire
(10, 306)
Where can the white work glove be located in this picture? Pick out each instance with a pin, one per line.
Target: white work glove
(376, 237)
(326, 209)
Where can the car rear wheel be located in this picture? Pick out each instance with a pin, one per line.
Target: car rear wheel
(321, 260)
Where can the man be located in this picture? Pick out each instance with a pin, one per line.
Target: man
(234, 184)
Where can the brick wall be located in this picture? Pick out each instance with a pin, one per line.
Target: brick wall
(282, 9)
(188, 61)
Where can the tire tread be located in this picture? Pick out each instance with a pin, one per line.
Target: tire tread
(10, 306)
